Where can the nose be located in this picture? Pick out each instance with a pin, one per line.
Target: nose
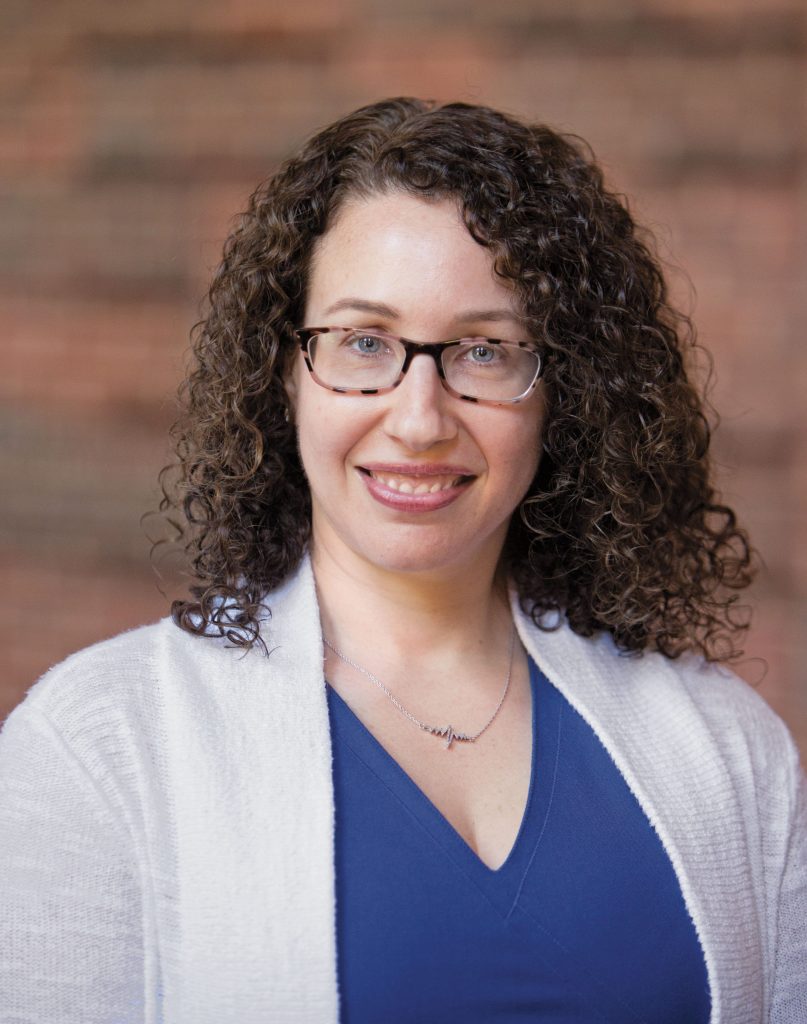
(420, 414)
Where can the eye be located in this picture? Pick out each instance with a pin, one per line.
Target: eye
(482, 354)
(366, 344)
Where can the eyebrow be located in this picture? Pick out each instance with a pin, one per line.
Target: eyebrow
(390, 313)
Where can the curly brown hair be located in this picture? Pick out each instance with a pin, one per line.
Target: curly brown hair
(620, 530)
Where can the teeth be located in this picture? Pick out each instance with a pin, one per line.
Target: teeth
(409, 485)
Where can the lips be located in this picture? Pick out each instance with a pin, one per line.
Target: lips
(421, 488)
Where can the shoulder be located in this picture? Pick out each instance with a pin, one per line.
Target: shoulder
(115, 689)
(159, 678)
(750, 736)
(121, 710)
(711, 691)
(651, 695)
(109, 671)
(721, 697)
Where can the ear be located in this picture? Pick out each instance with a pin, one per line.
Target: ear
(290, 387)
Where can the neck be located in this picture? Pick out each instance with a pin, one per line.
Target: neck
(412, 625)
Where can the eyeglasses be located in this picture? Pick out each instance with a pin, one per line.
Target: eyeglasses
(355, 361)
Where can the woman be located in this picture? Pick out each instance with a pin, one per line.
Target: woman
(441, 470)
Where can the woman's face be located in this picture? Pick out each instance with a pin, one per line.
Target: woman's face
(414, 480)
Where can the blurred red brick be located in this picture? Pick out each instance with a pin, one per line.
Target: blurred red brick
(132, 134)
(92, 354)
(84, 605)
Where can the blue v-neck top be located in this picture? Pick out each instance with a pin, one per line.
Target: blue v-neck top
(584, 921)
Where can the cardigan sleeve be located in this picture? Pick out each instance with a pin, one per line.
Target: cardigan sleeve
(789, 1003)
(71, 946)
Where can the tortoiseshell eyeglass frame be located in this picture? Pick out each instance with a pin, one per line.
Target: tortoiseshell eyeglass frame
(412, 349)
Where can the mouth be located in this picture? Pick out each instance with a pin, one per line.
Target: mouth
(417, 483)
(416, 488)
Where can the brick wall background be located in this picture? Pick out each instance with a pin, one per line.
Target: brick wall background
(130, 134)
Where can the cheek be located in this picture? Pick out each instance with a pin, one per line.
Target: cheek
(327, 431)
(519, 448)
(519, 473)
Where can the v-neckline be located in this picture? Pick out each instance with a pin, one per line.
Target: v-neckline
(368, 748)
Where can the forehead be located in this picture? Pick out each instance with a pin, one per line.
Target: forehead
(407, 253)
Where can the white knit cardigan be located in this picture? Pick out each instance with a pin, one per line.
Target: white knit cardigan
(167, 817)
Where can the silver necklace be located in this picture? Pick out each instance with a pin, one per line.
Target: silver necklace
(437, 730)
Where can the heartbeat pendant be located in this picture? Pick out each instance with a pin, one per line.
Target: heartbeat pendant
(450, 735)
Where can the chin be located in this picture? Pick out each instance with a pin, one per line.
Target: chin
(412, 549)
(416, 557)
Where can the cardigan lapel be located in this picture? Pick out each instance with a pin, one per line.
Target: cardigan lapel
(250, 772)
(643, 712)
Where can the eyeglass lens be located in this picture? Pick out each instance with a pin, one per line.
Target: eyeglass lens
(477, 367)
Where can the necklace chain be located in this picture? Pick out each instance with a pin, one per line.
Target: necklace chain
(437, 730)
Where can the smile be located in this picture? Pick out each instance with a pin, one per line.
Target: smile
(416, 485)
(427, 489)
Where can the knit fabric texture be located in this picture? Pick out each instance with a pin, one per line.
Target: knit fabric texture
(167, 839)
